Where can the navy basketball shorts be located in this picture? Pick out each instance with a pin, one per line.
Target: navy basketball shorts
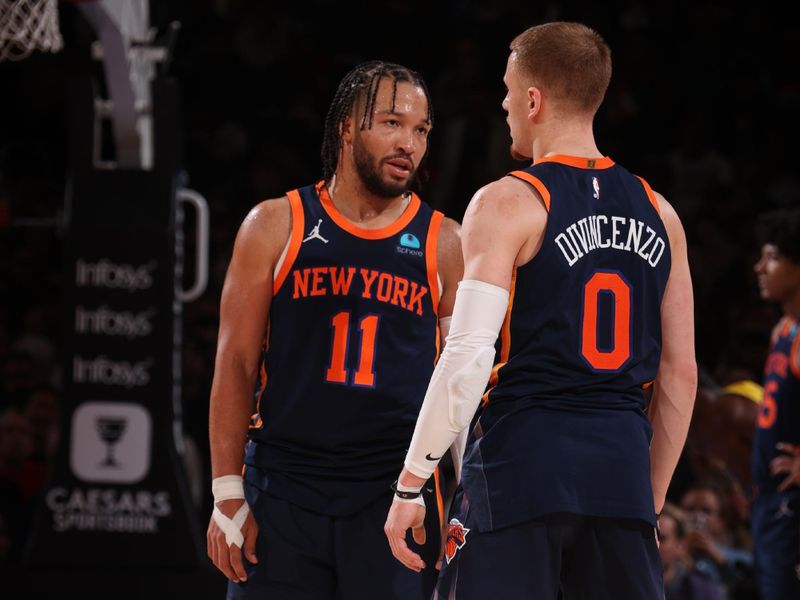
(577, 556)
(304, 555)
(776, 545)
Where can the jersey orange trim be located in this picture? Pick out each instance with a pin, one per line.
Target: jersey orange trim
(580, 162)
(505, 341)
(431, 258)
(536, 183)
(651, 196)
(295, 239)
(439, 501)
(368, 234)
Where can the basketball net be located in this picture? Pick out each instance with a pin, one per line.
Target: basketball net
(28, 25)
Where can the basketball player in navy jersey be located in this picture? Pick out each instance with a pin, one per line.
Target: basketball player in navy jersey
(776, 451)
(582, 271)
(337, 290)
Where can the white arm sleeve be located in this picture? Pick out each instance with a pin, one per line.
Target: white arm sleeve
(460, 376)
(460, 443)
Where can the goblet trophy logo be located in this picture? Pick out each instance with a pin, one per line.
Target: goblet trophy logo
(110, 430)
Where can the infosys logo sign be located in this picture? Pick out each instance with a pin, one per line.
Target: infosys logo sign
(102, 371)
(104, 321)
(109, 275)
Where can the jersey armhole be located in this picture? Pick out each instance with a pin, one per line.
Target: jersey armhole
(536, 183)
(650, 194)
(431, 258)
(295, 239)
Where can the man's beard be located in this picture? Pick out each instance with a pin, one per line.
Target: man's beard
(371, 177)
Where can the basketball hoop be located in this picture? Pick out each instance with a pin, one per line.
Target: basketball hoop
(28, 25)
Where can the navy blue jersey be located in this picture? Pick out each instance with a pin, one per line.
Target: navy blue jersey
(351, 345)
(563, 428)
(779, 413)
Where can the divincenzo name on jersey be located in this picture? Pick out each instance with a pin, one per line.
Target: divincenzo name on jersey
(597, 232)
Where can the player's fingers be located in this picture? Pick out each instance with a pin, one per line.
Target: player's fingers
(401, 551)
(250, 533)
(237, 564)
(408, 557)
(223, 561)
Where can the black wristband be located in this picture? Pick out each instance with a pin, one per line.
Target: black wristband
(404, 495)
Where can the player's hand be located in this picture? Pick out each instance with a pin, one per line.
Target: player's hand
(788, 463)
(228, 559)
(402, 516)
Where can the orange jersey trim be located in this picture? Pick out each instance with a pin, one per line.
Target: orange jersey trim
(536, 183)
(580, 162)
(651, 196)
(439, 501)
(368, 234)
(505, 341)
(431, 258)
(295, 239)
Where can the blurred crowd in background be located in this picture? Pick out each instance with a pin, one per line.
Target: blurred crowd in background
(703, 104)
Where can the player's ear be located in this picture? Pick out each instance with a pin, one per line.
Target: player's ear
(534, 101)
(346, 130)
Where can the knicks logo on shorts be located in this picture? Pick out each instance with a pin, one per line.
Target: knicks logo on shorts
(456, 538)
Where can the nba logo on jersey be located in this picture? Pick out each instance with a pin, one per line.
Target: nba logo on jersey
(409, 240)
(596, 186)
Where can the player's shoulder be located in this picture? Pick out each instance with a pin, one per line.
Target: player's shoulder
(266, 226)
(450, 230)
(449, 244)
(670, 218)
(507, 197)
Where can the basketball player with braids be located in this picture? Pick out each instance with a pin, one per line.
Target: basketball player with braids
(776, 451)
(582, 269)
(338, 292)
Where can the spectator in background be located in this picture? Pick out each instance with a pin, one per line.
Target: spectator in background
(716, 538)
(681, 580)
(776, 451)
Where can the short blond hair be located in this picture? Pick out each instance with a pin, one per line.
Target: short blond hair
(569, 61)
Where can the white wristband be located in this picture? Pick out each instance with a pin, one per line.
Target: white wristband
(227, 487)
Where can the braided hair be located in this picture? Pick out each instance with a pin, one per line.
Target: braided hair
(362, 82)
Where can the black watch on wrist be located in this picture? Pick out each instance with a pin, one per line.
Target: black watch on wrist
(404, 495)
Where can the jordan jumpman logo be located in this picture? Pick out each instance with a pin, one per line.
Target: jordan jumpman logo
(315, 233)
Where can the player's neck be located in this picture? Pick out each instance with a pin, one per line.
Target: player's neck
(560, 137)
(352, 198)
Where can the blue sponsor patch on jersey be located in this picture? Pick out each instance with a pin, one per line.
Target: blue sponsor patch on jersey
(409, 240)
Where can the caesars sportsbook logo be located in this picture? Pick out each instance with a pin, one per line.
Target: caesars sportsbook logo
(110, 442)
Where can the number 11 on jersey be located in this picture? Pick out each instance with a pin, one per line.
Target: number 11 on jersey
(364, 375)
